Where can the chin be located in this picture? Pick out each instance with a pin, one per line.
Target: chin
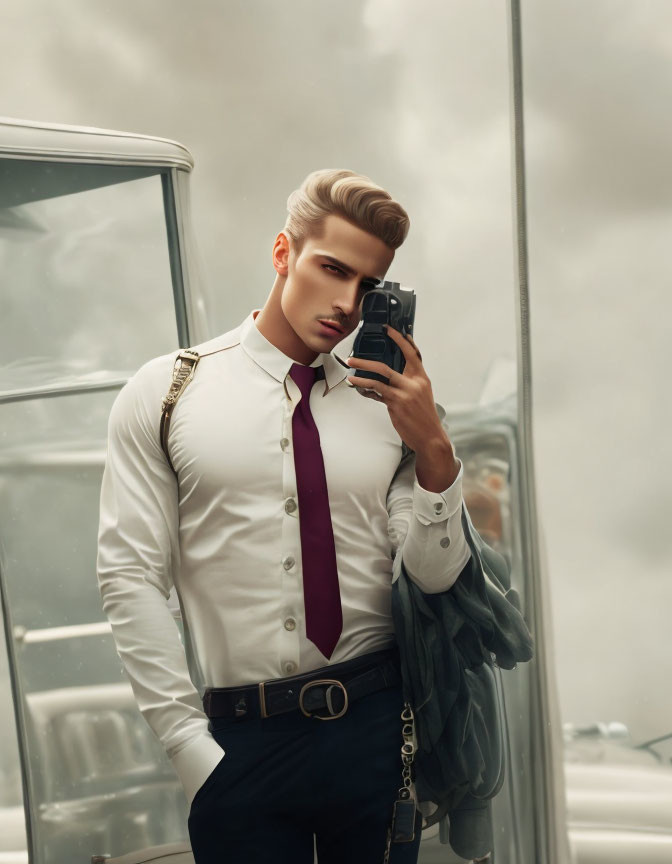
(312, 344)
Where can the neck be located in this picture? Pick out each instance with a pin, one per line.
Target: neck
(273, 325)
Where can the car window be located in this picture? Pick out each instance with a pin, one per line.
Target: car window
(84, 263)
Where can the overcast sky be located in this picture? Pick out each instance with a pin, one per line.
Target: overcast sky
(417, 97)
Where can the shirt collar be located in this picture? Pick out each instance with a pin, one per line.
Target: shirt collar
(277, 364)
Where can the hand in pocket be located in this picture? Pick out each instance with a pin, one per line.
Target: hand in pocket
(207, 782)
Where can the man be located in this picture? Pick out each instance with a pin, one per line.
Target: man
(277, 518)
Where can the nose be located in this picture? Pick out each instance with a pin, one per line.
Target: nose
(350, 297)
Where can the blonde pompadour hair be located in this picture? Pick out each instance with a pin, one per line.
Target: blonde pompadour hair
(350, 195)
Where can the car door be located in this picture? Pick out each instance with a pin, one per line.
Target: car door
(95, 281)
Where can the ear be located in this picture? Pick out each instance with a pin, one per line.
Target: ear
(281, 254)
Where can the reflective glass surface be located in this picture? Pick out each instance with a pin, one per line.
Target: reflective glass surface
(598, 127)
(84, 258)
(418, 100)
(486, 440)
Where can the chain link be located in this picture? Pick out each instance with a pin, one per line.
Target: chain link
(408, 749)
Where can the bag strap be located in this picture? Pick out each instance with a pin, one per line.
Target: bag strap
(183, 371)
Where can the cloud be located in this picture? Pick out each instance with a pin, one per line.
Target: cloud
(597, 76)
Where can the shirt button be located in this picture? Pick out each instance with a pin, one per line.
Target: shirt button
(290, 624)
(284, 443)
(290, 667)
(445, 542)
(288, 563)
(438, 507)
(290, 505)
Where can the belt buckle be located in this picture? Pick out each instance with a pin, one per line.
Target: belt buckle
(333, 683)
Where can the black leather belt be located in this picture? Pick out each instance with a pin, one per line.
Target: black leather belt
(330, 688)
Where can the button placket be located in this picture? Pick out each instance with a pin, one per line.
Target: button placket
(290, 578)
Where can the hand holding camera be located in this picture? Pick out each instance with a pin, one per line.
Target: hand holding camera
(389, 367)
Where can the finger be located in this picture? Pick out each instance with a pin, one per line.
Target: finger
(404, 342)
(371, 394)
(393, 376)
(364, 384)
(412, 341)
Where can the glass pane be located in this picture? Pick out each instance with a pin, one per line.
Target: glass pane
(84, 262)
(597, 93)
(417, 97)
(99, 778)
(486, 441)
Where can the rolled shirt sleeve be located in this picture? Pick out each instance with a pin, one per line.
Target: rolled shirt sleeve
(138, 551)
(426, 528)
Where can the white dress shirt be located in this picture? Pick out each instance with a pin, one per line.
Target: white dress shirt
(226, 533)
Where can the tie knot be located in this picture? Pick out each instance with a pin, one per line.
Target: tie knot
(304, 377)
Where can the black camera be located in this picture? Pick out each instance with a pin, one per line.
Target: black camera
(384, 303)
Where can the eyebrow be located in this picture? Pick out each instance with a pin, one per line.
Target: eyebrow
(346, 268)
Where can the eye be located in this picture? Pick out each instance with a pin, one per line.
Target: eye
(332, 268)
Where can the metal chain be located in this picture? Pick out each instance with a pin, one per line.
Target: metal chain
(408, 748)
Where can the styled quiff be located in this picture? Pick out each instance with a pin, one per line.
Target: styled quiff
(350, 195)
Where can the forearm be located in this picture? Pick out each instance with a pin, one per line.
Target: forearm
(436, 467)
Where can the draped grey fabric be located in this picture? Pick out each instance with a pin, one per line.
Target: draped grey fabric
(449, 645)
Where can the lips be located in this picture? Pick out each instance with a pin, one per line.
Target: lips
(331, 324)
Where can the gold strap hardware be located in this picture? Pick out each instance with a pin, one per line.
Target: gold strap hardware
(183, 371)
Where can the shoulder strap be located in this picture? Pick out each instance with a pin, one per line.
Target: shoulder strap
(183, 371)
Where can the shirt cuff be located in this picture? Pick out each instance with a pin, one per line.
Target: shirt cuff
(435, 507)
(195, 762)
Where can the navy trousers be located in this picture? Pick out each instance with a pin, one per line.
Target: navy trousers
(287, 777)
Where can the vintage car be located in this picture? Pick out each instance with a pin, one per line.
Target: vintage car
(99, 274)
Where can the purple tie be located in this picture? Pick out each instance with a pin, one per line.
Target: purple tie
(321, 595)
